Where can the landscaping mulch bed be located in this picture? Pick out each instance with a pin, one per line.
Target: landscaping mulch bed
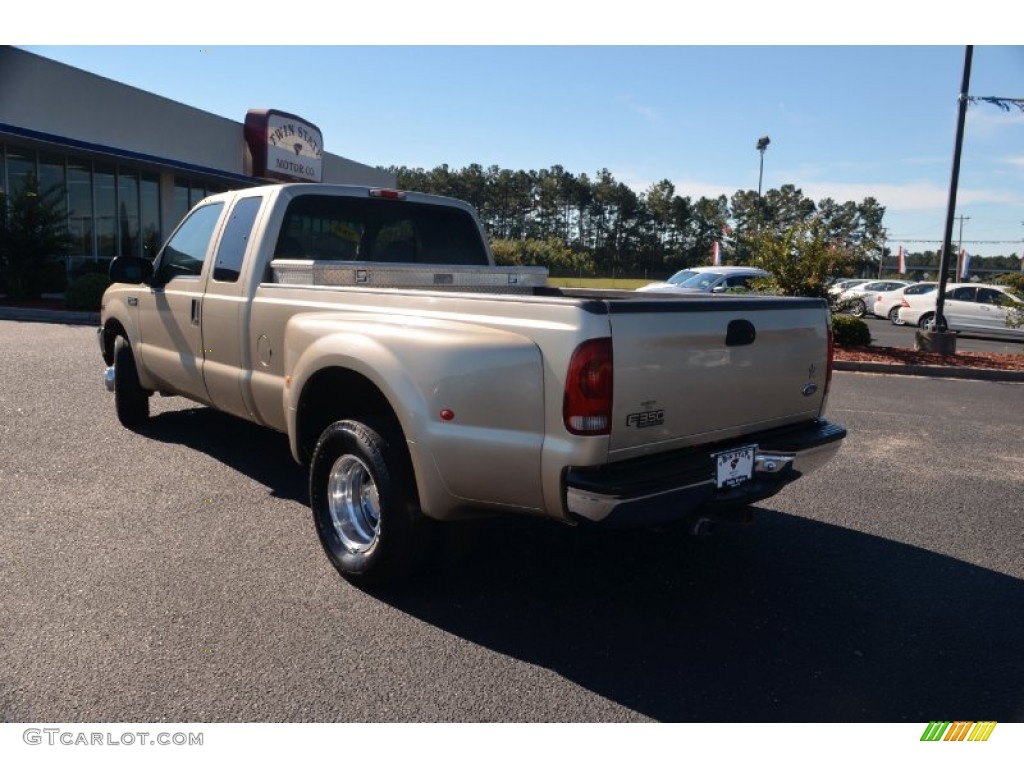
(898, 356)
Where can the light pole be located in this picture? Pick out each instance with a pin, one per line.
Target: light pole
(946, 343)
(762, 145)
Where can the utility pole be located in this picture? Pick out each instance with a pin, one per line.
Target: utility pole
(881, 256)
(960, 244)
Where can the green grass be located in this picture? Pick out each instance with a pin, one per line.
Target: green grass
(598, 282)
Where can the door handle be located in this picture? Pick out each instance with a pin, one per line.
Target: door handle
(195, 311)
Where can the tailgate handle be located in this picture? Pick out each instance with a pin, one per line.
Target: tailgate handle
(740, 333)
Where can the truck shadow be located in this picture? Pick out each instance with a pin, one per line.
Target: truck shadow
(264, 454)
(790, 620)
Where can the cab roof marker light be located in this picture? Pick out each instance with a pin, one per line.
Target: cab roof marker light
(388, 194)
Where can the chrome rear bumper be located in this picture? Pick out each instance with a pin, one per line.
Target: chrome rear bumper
(679, 485)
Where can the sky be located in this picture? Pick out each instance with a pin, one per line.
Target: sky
(845, 121)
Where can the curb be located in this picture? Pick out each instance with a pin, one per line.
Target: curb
(66, 317)
(932, 371)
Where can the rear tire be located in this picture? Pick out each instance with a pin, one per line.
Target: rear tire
(131, 401)
(364, 503)
(929, 322)
(858, 308)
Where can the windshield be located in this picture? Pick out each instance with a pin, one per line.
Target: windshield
(701, 281)
(679, 277)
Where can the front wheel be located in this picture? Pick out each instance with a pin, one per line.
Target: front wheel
(131, 401)
(894, 316)
(364, 504)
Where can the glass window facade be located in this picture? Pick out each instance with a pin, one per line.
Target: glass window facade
(149, 214)
(112, 208)
(105, 196)
(80, 216)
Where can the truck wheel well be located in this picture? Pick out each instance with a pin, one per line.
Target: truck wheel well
(334, 394)
(111, 331)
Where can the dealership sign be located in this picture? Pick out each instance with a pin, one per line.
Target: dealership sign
(282, 146)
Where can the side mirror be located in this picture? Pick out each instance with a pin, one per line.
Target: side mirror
(131, 269)
(718, 289)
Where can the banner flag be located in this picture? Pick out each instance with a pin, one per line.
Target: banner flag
(901, 264)
(966, 261)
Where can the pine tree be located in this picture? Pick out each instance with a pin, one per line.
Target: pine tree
(33, 235)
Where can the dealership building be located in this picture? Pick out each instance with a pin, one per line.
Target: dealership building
(132, 163)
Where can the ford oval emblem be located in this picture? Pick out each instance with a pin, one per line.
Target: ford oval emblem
(809, 389)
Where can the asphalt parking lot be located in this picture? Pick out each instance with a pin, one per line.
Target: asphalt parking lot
(174, 575)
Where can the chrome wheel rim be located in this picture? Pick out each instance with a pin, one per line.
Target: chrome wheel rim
(354, 504)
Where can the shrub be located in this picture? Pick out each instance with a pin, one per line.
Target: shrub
(850, 331)
(86, 292)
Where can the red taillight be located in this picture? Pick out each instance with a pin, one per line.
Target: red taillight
(389, 194)
(587, 408)
(904, 303)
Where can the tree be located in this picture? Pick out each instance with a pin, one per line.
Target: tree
(33, 236)
(801, 259)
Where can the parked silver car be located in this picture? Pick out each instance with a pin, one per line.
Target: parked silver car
(708, 280)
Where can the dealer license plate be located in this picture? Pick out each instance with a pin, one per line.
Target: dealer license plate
(734, 467)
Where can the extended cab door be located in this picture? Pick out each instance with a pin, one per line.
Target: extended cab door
(170, 315)
(226, 309)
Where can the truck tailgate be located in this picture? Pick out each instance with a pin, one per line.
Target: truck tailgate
(698, 370)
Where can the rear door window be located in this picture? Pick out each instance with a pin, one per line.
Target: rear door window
(237, 232)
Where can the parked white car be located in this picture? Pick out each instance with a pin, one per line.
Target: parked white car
(707, 280)
(859, 299)
(975, 308)
(842, 285)
(888, 303)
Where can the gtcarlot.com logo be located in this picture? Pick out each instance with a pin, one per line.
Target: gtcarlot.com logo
(960, 730)
(57, 736)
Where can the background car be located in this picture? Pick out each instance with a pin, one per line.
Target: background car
(841, 285)
(676, 279)
(977, 308)
(856, 299)
(708, 280)
(888, 303)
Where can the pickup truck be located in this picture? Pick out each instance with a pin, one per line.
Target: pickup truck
(420, 383)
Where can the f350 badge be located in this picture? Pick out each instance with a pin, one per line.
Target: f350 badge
(648, 417)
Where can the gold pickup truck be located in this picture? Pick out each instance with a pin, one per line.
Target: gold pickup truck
(420, 383)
